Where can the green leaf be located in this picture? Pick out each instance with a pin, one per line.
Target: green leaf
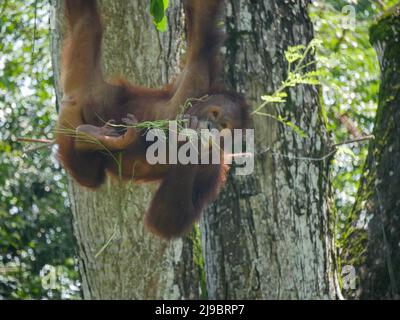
(157, 10)
(276, 98)
(162, 25)
(294, 53)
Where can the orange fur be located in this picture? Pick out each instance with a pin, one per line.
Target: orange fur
(89, 100)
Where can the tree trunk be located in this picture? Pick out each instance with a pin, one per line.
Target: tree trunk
(119, 259)
(374, 235)
(269, 235)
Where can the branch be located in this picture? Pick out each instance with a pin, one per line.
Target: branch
(46, 144)
(45, 141)
(357, 140)
(322, 158)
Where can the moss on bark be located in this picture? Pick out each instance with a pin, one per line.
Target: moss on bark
(373, 238)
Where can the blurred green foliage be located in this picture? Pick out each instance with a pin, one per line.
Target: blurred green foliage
(36, 245)
(350, 85)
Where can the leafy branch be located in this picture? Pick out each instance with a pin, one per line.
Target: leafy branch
(295, 57)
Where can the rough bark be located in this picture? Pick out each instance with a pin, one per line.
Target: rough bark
(269, 235)
(374, 236)
(118, 258)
